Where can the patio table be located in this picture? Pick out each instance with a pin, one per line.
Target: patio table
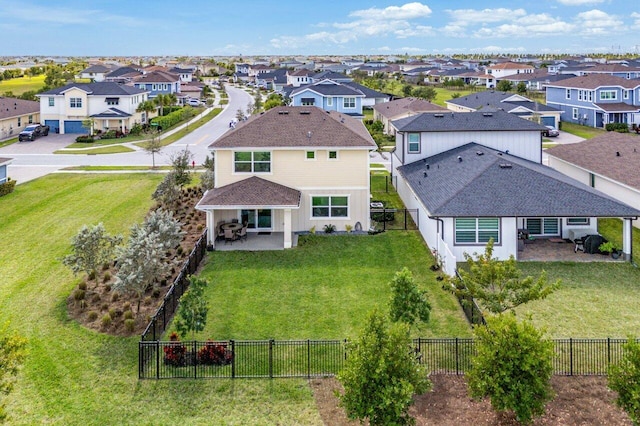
(233, 226)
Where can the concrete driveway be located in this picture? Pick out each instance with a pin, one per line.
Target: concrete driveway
(42, 145)
(565, 137)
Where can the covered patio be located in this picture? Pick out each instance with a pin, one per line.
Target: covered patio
(559, 250)
(258, 242)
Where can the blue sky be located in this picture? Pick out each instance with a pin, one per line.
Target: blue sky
(303, 27)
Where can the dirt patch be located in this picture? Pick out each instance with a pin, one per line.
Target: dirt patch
(580, 400)
(96, 306)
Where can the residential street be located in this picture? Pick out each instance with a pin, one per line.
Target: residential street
(35, 159)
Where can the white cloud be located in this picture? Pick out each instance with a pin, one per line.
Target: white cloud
(579, 2)
(466, 17)
(636, 19)
(407, 11)
(597, 22)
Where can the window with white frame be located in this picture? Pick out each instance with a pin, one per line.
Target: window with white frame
(52, 101)
(329, 206)
(332, 155)
(413, 143)
(574, 113)
(19, 121)
(30, 119)
(349, 102)
(590, 95)
(308, 101)
(608, 95)
(329, 101)
(477, 230)
(575, 221)
(625, 94)
(580, 95)
(568, 94)
(75, 102)
(310, 155)
(252, 162)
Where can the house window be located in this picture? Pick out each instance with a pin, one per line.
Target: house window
(592, 180)
(625, 94)
(333, 155)
(52, 101)
(311, 155)
(329, 101)
(153, 87)
(75, 102)
(113, 101)
(574, 113)
(590, 93)
(414, 143)
(349, 102)
(542, 226)
(577, 221)
(308, 101)
(580, 95)
(568, 95)
(477, 230)
(608, 95)
(330, 206)
(19, 121)
(252, 162)
(31, 119)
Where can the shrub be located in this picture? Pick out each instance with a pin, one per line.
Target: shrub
(112, 313)
(92, 275)
(107, 288)
(128, 315)
(156, 292)
(168, 120)
(95, 298)
(114, 297)
(174, 352)
(617, 127)
(7, 187)
(106, 320)
(78, 294)
(93, 315)
(127, 306)
(348, 228)
(624, 378)
(104, 306)
(82, 285)
(214, 354)
(129, 325)
(106, 277)
(329, 229)
(84, 139)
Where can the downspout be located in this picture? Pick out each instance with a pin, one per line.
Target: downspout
(440, 221)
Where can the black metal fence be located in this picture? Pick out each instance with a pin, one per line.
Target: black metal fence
(163, 315)
(325, 358)
(386, 219)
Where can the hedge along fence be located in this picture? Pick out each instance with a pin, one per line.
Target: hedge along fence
(168, 120)
(7, 187)
(325, 358)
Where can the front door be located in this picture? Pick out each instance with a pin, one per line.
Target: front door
(259, 219)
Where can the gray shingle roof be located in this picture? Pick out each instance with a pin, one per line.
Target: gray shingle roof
(112, 113)
(14, 107)
(368, 93)
(302, 126)
(99, 89)
(498, 100)
(495, 121)
(405, 106)
(594, 81)
(473, 181)
(5, 160)
(251, 192)
(329, 89)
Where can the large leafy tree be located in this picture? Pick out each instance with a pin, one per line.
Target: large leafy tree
(512, 367)
(624, 378)
(92, 247)
(381, 374)
(12, 354)
(504, 86)
(427, 93)
(497, 285)
(193, 309)
(408, 303)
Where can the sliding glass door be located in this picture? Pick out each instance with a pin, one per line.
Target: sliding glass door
(259, 219)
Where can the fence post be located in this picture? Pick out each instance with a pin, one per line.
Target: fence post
(308, 359)
(405, 219)
(233, 358)
(608, 352)
(195, 360)
(457, 360)
(271, 358)
(570, 356)
(140, 360)
(157, 359)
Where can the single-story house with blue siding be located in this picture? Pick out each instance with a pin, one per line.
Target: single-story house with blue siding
(4, 162)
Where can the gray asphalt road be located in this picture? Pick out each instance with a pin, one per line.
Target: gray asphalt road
(34, 159)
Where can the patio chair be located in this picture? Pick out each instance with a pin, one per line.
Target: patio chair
(234, 221)
(220, 234)
(229, 236)
(242, 234)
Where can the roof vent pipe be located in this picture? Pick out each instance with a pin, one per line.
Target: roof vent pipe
(459, 159)
(617, 153)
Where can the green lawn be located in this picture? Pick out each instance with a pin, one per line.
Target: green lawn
(116, 168)
(323, 289)
(108, 149)
(581, 131)
(181, 133)
(23, 84)
(74, 376)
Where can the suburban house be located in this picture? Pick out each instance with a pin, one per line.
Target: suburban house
(4, 162)
(474, 176)
(96, 72)
(158, 82)
(505, 69)
(616, 70)
(123, 75)
(608, 163)
(401, 108)
(330, 96)
(298, 78)
(512, 103)
(112, 106)
(16, 114)
(185, 74)
(291, 169)
(596, 99)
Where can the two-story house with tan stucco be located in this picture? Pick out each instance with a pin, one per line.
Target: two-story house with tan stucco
(291, 169)
(112, 106)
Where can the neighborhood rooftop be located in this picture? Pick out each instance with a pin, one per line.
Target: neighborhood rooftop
(465, 121)
(97, 89)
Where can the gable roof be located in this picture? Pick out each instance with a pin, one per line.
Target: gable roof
(122, 71)
(499, 100)
(96, 69)
(598, 155)
(329, 88)
(495, 121)
(251, 192)
(302, 126)
(510, 66)
(158, 77)
(97, 89)
(368, 93)
(594, 81)
(474, 181)
(404, 106)
(112, 113)
(14, 107)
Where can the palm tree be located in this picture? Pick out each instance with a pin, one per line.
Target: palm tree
(163, 100)
(147, 107)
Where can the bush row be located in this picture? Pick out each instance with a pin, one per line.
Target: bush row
(168, 120)
(7, 187)
(617, 127)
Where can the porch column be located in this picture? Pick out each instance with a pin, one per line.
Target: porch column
(626, 238)
(287, 228)
(211, 228)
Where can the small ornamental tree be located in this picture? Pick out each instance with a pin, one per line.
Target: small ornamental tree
(152, 145)
(12, 355)
(496, 284)
(207, 180)
(512, 367)
(92, 247)
(504, 86)
(181, 163)
(193, 309)
(381, 374)
(624, 378)
(167, 193)
(408, 304)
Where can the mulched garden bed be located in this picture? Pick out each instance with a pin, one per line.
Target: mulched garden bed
(98, 307)
(580, 400)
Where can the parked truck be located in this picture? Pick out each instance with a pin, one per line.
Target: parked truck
(33, 131)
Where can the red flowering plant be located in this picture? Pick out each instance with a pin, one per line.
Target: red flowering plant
(213, 353)
(174, 352)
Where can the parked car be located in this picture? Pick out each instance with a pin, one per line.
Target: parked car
(194, 102)
(33, 131)
(551, 132)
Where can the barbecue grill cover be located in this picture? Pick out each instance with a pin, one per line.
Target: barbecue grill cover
(592, 243)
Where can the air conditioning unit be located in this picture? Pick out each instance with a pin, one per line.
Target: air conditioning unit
(584, 116)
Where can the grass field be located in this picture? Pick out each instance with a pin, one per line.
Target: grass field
(18, 86)
(582, 131)
(107, 149)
